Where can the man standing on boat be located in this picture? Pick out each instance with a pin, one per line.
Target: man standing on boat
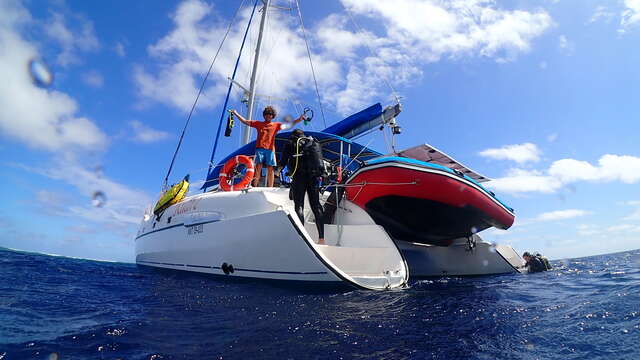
(265, 142)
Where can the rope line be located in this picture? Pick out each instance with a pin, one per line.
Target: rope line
(358, 154)
(199, 93)
(363, 184)
(313, 72)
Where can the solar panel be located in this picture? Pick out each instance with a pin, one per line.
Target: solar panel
(430, 154)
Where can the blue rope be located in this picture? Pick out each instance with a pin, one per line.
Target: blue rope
(226, 100)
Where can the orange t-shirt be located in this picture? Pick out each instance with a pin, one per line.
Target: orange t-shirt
(266, 133)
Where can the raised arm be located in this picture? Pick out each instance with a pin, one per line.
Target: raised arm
(242, 119)
(302, 117)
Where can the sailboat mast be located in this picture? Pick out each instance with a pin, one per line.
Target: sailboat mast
(254, 73)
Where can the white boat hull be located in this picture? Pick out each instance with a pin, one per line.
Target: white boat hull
(459, 259)
(256, 234)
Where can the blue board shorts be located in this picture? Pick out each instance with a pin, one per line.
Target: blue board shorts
(266, 157)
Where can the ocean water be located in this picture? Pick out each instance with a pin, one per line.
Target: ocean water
(61, 308)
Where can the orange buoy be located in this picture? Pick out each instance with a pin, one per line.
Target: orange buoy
(228, 171)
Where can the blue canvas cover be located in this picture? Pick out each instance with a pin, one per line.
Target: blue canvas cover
(330, 150)
(357, 123)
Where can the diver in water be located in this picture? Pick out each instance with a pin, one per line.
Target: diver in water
(533, 263)
(303, 157)
(544, 260)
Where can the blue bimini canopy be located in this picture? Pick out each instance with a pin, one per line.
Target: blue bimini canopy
(332, 146)
(357, 123)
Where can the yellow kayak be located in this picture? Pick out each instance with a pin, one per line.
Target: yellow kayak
(172, 196)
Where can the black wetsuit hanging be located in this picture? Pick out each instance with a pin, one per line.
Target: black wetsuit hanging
(303, 156)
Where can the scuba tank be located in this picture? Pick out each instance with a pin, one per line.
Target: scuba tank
(307, 157)
(312, 155)
(230, 122)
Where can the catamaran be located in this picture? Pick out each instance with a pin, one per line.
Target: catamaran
(414, 212)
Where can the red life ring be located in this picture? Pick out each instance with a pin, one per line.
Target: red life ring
(226, 175)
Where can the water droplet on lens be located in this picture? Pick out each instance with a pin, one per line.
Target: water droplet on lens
(492, 247)
(474, 229)
(530, 346)
(40, 73)
(53, 356)
(485, 262)
(99, 199)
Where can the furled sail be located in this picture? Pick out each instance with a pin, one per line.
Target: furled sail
(363, 121)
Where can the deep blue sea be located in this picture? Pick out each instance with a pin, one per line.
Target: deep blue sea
(62, 308)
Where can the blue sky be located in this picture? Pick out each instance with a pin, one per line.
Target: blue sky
(541, 96)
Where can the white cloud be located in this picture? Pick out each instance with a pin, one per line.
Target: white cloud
(123, 205)
(570, 170)
(601, 13)
(588, 229)
(520, 181)
(145, 134)
(635, 215)
(627, 228)
(436, 28)
(561, 215)
(334, 36)
(631, 13)
(38, 117)
(120, 50)
(93, 79)
(623, 168)
(80, 38)
(415, 33)
(52, 203)
(563, 42)
(566, 47)
(187, 50)
(600, 231)
(520, 153)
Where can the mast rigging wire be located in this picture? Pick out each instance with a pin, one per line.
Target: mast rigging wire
(304, 34)
(199, 93)
(226, 100)
(366, 43)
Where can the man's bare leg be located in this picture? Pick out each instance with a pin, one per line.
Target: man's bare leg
(256, 175)
(270, 176)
